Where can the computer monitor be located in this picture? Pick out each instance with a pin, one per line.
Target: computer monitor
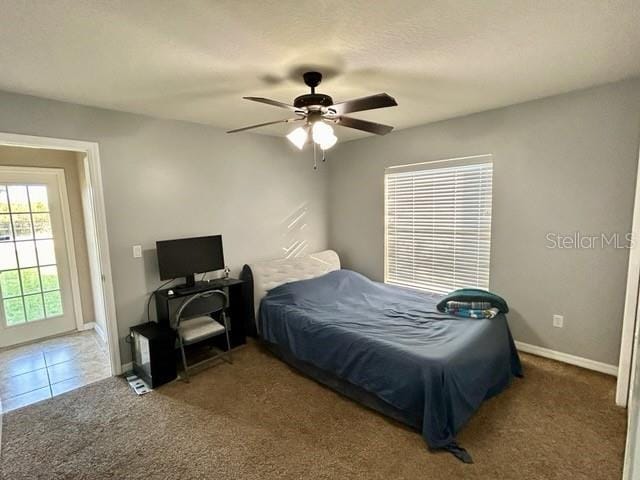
(185, 257)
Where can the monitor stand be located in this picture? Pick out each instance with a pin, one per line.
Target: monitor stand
(190, 285)
(189, 281)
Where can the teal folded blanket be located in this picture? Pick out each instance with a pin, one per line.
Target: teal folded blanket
(474, 295)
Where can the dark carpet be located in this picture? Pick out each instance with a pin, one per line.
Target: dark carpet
(258, 419)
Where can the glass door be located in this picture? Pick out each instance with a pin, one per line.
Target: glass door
(36, 300)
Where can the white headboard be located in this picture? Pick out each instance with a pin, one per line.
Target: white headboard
(271, 273)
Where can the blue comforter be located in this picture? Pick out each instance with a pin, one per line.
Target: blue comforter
(395, 344)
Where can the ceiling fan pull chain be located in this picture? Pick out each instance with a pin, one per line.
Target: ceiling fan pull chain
(324, 156)
(315, 161)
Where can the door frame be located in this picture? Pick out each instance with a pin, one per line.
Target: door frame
(58, 173)
(632, 453)
(95, 228)
(630, 321)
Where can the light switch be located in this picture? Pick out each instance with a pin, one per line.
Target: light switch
(558, 321)
(137, 251)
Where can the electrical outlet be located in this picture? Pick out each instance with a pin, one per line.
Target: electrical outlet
(558, 321)
(137, 251)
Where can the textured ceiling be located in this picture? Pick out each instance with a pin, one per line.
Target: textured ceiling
(193, 60)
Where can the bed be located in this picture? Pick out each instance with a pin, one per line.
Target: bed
(387, 347)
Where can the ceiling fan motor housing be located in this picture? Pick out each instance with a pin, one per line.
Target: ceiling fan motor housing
(313, 100)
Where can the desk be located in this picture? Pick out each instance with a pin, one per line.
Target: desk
(167, 305)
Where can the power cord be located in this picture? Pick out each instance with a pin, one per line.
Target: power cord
(153, 295)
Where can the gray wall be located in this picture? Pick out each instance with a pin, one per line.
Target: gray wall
(166, 179)
(561, 164)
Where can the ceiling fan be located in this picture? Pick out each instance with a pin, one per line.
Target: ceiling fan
(318, 112)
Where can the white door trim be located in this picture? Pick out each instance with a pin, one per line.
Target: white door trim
(68, 231)
(630, 318)
(631, 466)
(97, 238)
(71, 251)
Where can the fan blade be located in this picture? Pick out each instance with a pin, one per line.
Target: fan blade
(381, 100)
(275, 103)
(288, 120)
(364, 125)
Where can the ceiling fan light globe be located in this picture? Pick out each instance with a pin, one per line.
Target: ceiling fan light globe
(329, 143)
(322, 133)
(298, 137)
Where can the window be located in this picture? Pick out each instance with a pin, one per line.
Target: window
(438, 224)
(29, 284)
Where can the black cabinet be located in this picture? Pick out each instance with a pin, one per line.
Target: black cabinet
(152, 348)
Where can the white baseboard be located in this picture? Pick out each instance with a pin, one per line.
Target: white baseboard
(88, 326)
(534, 350)
(567, 358)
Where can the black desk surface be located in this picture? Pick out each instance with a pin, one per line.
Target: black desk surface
(199, 287)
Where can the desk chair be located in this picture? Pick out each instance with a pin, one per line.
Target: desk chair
(195, 323)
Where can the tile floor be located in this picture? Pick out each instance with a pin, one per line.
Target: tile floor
(38, 371)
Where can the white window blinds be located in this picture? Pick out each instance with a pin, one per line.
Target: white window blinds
(438, 225)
